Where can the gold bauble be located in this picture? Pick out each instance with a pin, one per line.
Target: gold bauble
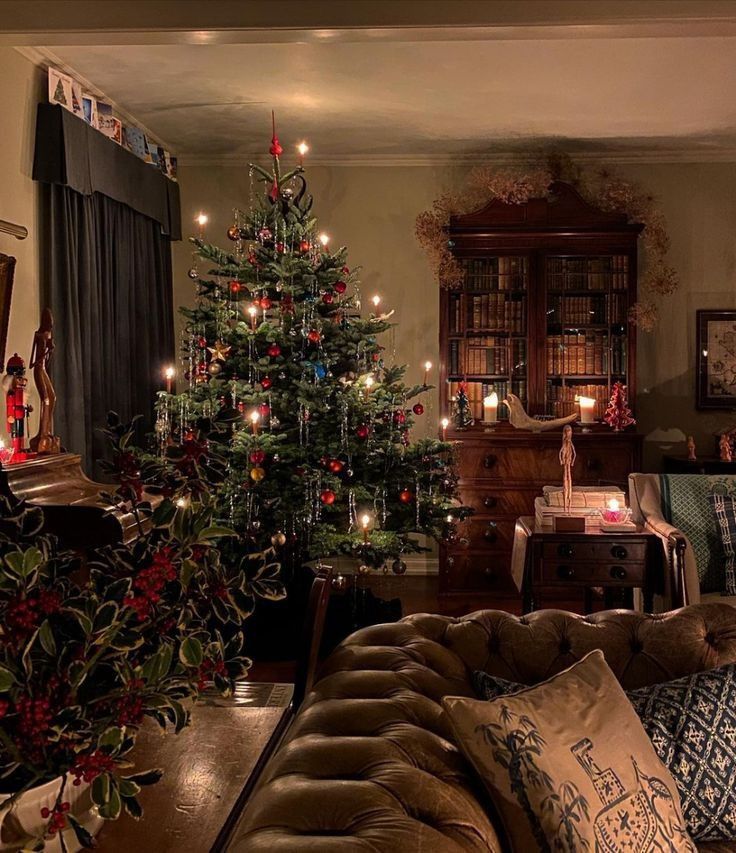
(364, 570)
(257, 474)
(278, 540)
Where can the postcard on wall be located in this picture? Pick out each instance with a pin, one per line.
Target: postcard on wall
(716, 353)
(60, 88)
(89, 109)
(77, 107)
(134, 140)
(107, 123)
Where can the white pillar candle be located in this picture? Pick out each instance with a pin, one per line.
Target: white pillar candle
(587, 409)
(490, 408)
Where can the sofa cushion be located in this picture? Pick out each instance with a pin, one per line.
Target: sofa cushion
(724, 509)
(570, 767)
(692, 724)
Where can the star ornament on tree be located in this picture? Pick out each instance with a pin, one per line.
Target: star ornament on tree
(219, 351)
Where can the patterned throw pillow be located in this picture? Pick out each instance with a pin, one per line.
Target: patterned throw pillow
(692, 724)
(724, 508)
(569, 766)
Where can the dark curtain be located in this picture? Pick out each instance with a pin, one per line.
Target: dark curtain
(108, 276)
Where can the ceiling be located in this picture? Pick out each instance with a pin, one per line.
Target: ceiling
(635, 89)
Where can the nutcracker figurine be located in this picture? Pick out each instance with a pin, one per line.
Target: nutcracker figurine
(14, 383)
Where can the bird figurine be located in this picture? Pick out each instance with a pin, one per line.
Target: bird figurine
(519, 419)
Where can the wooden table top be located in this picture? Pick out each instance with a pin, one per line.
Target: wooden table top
(531, 528)
(206, 767)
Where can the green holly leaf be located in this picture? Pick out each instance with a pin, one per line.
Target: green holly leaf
(190, 652)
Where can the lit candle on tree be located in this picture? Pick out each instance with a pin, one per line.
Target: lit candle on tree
(369, 383)
(254, 419)
(302, 149)
(444, 423)
(376, 300)
(253, 311)
(427, 368)
(365, 521)
(169, 373)
(324, 239)
(202, 219)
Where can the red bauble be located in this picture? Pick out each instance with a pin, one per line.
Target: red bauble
(234, 287)
(418, 409)
(328, 298)
(280, 248)
(314, 336)
(304, 246)
(340, 287)
(335, 465)
(265, 303)
(362, 431)
(274, 350)
(346, 270)
(327, 497)
(264, 410)
(266, 383)
(257, 456)
(275, 150)
(202, 342)
(406, 496)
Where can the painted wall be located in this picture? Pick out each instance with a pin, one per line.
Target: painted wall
(372, 211)
(21, 88)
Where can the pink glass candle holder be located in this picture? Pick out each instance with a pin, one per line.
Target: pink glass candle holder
(615, 512)
(6, 453)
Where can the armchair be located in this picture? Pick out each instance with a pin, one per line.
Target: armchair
(682, 583)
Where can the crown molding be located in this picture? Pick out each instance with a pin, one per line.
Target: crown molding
(42, 57)
(633, 156)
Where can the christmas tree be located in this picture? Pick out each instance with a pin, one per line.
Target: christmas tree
(289, 404)
(618, 413)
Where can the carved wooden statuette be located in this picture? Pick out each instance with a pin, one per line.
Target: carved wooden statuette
(44, 442)
(724, 448)
(691, 457)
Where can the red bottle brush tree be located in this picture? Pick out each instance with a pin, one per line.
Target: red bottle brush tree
(618, 414)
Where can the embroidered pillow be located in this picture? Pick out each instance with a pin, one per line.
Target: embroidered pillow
(570, 767)
(724, 508)
(692, 725)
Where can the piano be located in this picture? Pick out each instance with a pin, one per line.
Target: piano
(72, 504)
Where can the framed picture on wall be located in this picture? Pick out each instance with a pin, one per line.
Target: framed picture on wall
(716, 355)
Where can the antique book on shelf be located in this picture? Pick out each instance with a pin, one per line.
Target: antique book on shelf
(542, 313)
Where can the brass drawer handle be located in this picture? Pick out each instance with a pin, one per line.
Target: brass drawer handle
(618, 552)
(618, 573)
(565, 551)
(491, 533)
(566, 573)
(490, 460)
(490, 502)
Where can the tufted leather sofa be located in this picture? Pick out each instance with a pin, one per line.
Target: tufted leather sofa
(369, 763)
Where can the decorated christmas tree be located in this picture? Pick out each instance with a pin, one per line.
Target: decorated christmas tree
(288, 401)
(618, 414)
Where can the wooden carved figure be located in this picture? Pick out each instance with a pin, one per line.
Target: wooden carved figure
(43, 347)
(567, 460)
(724, 446)
(691, 457)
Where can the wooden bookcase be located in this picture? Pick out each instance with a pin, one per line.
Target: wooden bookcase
(542, 313)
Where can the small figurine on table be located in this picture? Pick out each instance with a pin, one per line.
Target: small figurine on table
(691, 457)
(567, 460)
(724, 446)
(16, 401)
(43, 347)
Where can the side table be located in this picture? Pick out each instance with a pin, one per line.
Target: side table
(210, 769)
(613, 561)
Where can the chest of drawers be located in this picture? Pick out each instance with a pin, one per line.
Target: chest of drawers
(500, 475)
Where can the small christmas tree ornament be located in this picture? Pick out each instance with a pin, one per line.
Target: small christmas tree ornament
(462, 415)
(618, 414)
(398, 567)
